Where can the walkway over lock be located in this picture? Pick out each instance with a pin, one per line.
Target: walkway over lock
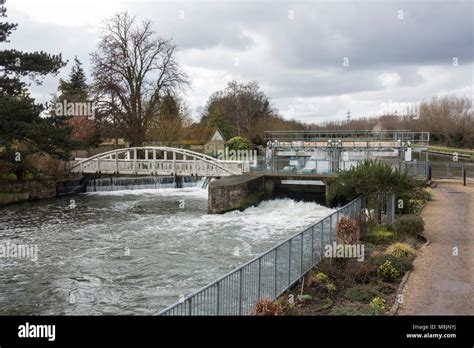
(160, 160)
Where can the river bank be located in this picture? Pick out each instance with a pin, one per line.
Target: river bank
(15, 191)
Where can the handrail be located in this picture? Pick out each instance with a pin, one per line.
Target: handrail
(355, 203)
(199, 156)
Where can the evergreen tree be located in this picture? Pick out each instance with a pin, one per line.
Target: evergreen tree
(22, 129)
(75, 88)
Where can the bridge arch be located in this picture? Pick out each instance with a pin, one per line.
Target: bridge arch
(164, 161)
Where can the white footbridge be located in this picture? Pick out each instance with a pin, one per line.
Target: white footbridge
(158, 161)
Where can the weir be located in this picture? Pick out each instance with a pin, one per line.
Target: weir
(143, 183)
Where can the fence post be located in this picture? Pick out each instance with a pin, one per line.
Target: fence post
(259, 277)
(275, 273)
(218, 297)
(322, 239)
(312, 246)
(289, 262)
(302, 241)
(464, 174)
(330, 228)
(240, 291)
(392, 209)
(190, 309)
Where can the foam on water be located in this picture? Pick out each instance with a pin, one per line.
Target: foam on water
(173, 250)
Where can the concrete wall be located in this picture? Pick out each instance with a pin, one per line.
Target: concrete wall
(18, 191)
(237, 193)
(241, 192)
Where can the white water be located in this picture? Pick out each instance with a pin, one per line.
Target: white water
(173, 250)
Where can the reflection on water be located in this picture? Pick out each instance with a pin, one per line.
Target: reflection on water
(132, 252)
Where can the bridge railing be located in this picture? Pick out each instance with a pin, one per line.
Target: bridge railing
(178, 167)
(155, 160)
(268, 275)
(418, 168)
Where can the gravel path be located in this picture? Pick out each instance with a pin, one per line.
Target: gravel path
(442, 283)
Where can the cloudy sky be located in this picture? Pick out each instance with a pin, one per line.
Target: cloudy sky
(314, 59)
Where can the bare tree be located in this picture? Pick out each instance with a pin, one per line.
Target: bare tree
(133, 69)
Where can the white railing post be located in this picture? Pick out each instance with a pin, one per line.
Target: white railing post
(174, 163)
(135, 160)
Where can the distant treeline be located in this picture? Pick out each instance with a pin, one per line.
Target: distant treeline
(449, 119)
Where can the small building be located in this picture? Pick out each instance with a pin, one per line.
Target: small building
(216, 143)
(206, 140)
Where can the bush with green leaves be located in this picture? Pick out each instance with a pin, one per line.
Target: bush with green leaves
(369, 179)
(412, 225)
(387, 272)
(352, 309)
(239, 143)
(378, 234)
(361, 293)
(378, 305)
(400, 250)
(413, 201)
(8, 176)
(402, 265)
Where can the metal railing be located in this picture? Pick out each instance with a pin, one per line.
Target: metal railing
(415, 168)
(292, 138)
(451, 170)
(268, 275)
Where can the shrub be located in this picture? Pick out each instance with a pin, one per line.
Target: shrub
(400, 250)
(410, 225)
(267, 307)
(347, 231)
(378, 305)
(378, 234)
(387, 272)
(320, 276)
(331, 288)
(368, 179)
(402, 265)
(361, 293)
(359, 272)
(317, 278)
(239, 143)
(352, 309)
(7, 176)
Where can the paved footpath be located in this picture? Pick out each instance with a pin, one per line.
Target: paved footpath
(442, 283)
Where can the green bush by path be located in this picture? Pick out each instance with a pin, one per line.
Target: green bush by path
(400, 250)
(378, 234)
(352, 309)
(361, 293)
(411, 225)
(387, 272)
(402, 265)
(368, 179)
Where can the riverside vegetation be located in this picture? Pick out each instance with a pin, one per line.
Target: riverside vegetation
(348, 286)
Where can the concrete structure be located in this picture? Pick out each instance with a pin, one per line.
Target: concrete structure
(27, 190)
(330, 151)
(241, 192)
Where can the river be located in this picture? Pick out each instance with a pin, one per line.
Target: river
(132, 252)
